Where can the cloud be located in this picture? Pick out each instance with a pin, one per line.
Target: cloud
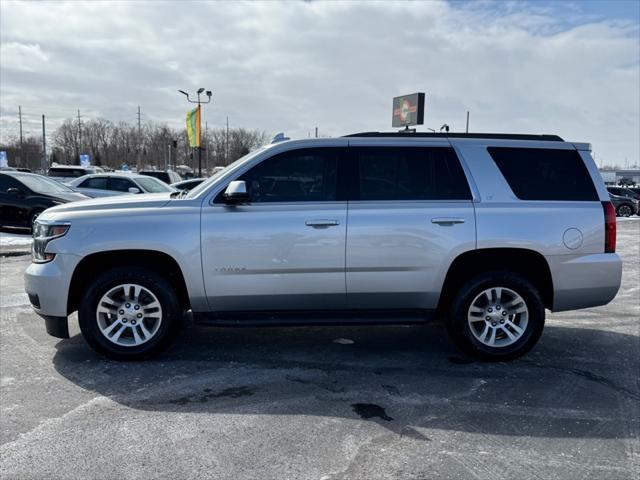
(294, 66)
(22, 57)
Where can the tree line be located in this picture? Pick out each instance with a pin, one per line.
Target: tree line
(111, 144)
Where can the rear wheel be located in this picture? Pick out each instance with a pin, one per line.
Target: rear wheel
(129, 313)
(624, 210)
(497, 316)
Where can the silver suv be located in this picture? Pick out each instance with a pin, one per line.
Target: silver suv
(485, 231)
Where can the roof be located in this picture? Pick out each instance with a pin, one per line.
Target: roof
(493, 136)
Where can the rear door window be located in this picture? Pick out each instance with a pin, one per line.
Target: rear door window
(98, 183)
(544, 173)
(410, 173)
(121, 184)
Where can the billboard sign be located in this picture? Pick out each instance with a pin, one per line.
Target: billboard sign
(85, 160)
(408, 110)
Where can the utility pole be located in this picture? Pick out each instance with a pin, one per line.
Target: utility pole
(21, 146)
(467, 121)
(139, 140)
(316, 132)
(226, 148)
(44, 147)
(79, 136)
(206, 146)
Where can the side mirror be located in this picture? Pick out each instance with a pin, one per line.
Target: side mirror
(236, 193)
(15, 191)
(134, 190)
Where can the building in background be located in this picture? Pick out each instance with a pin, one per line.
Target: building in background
(621, 177)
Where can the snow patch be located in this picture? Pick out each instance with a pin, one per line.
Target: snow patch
(7, 239)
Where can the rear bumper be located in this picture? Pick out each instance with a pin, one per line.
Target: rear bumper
(583, 281)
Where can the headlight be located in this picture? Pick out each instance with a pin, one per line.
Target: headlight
(43, 233)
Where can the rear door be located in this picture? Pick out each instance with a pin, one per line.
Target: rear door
(410, 214)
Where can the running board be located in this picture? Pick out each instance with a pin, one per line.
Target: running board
(313, 318)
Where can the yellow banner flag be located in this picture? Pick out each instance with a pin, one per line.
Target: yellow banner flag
(193, 127)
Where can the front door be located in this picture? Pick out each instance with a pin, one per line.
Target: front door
(285, 249)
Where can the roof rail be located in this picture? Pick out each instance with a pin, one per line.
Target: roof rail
(492, 136)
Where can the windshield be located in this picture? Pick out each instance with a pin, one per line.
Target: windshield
(153, 185)
(41, 184)
(211, 180)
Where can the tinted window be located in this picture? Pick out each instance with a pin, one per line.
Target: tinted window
(121, 184)
(99, 183)
(164, 176)
(67, 172)
(306, 175)
(153, 185)
(40, 184)
(7, 182)
(408, 173)
(544, 174)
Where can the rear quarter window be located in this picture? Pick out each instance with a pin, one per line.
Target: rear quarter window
(544, 173)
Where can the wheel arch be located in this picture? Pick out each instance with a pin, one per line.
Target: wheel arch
(157, 261)
(528, 263)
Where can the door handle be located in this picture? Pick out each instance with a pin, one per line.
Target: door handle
(321, 223)
(447, 220)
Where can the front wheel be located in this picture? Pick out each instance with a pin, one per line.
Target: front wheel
(497, 316)
(624, 210)
(129, 313)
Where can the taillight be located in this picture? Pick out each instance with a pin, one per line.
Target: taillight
(609, 227)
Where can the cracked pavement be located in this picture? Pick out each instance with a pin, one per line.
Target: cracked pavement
(278, 403)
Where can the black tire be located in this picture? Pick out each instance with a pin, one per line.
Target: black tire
(460, 331)
(154, 282)
(624, 210)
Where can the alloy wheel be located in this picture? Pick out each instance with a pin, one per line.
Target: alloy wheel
(498, 317)
(129, 315)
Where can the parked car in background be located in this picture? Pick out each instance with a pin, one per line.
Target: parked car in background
(188, 184)
(24, 196)
(66, 173)
(110, 184)
(168, 176)
(625, 206)
(625, 192)
(390, 228)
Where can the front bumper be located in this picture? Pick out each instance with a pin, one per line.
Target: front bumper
(583, 281)
(47, 285)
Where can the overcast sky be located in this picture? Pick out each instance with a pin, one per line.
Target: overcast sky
(568, 68)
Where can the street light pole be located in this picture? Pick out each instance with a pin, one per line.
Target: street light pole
(199, 141)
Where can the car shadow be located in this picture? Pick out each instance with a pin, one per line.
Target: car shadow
(575, 383)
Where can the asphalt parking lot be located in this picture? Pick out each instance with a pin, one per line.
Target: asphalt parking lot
(325, 403)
